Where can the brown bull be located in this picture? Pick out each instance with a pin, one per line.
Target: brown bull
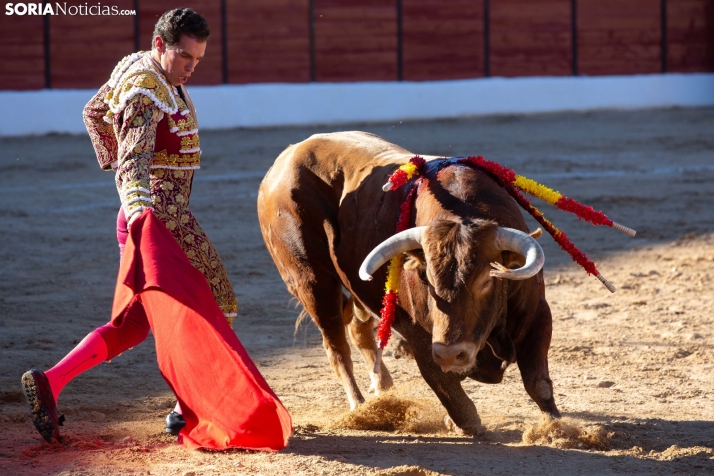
(322, 211)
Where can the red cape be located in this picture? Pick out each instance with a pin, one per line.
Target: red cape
(225, 400)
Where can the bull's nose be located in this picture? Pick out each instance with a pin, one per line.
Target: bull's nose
(456, 357)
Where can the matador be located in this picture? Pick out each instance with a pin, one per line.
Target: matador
(143, 125)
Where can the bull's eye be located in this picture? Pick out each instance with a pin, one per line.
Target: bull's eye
(482, 287)
(421, 272)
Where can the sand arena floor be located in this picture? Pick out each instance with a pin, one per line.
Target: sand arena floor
(633, 371)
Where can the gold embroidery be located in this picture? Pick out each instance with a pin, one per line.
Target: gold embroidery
(190, 142)
(133, 195)
(170, 202)
(101, 133)
(183, 125)
(140, 78)
(176, 160)
(145, 81)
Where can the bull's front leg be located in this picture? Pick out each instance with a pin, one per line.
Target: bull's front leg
(532, 358)
(360, 324)
(446, 386)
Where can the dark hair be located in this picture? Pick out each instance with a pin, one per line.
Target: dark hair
(180, 21)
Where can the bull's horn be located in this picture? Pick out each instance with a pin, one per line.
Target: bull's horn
(523, 244)
(407, 240)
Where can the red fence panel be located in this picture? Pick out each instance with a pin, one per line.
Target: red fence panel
(442, 40)
(690, 35)
(619, 37)
(84, 49)
(210, 68)
(531, 38)
(22, 63)
(355, 40)
(268, 41)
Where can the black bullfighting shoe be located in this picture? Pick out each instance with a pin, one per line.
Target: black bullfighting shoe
(174, 423)
(42, 404)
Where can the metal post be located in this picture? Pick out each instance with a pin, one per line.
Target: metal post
(48, 63)
(664, 36)
(311, 19)
(486, 36)
(400, 41)
(574, 34)
(137, 32)
(224, 42)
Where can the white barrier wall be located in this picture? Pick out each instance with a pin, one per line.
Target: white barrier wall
(260, 105)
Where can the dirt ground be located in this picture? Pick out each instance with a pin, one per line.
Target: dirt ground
(635, 367)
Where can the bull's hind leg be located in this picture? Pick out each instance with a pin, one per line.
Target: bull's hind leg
(360, 324)
(304, 262)
(324, 304)
(532, 358)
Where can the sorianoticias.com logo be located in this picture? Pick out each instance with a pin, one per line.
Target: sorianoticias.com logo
(61, 8)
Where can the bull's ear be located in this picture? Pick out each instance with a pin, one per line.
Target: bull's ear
(415, 260)
(512, 260)
(502, 346)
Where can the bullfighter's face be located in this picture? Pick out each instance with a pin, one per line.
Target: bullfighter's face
(179, 61)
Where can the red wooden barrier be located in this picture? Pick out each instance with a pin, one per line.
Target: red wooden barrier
(442, 40)
(22, 63)
(84, 49)
(619, 37)
(210, 68)
(268, 41)
(531, 38)
(690, 35)
(355, 40)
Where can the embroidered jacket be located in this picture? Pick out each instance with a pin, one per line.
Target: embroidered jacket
(137, 122)
(142, 127)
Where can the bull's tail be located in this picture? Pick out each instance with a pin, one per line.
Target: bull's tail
(303, 312)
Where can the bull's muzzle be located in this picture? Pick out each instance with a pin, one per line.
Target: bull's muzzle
(457, 358)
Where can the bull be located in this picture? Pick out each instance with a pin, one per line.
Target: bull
(471, 295)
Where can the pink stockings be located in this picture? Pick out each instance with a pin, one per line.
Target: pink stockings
(88, 353)
(103, 343)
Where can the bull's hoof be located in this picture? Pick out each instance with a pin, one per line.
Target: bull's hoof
(467, 430)
(381, 382)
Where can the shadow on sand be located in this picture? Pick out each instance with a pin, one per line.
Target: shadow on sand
(638, 446)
